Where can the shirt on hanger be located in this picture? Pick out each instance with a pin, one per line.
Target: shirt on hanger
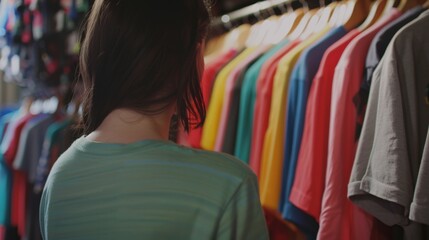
(264, 86)
(382, 39)
(210, 71)
(49, 152)
(12, 147)
(230, 82)
(386, 166)
(309, 185)
(19, 178)
(10, 130)
(272, 155)
(211, 124)
(26, 159)
(30, 144)
(376, 51)
(299, 85)
(247, 103)
(231, 127)
(351, 223)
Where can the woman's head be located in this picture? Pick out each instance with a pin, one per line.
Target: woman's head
(145, 56)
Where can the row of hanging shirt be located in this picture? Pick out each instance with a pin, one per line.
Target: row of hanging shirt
(31, 139)
(288, 96)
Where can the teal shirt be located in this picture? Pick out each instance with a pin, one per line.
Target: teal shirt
(149, 190)
(247, 104)
(5, 177)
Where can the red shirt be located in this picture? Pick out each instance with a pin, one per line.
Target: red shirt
(209, 75)
(263, 105)
(307, 192)
(19, 184)
(10, 153)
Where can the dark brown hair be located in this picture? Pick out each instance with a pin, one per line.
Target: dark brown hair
(143, 55)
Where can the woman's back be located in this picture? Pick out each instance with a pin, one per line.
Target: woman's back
(151, 189)
(140, 64)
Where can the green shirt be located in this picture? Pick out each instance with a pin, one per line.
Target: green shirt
(151, 189)
(247, 104)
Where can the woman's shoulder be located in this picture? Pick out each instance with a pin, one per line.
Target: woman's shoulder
(153, 152)
(223, 162)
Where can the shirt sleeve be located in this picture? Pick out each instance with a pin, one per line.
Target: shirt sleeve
(392, 142)
(386, 179)
(420, 207)
(243, 216)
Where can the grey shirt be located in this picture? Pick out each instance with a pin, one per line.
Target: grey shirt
(390, 149)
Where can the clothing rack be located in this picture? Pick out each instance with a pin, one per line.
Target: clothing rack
(259, 11)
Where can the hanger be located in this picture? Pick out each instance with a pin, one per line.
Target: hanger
(357, 12)
(376, 10)
(390, 4)
(295, 18)
(343, 16)
(313, 24)
(326, 14)
(258, 31)
(36, 107)
(301, 26)
(274, 23)
(234, 39)
(271, 25)
(337, 15)
(237, 37)
(287, 24)
(214, 44)
(288, 21)
(27, 103)
(319, 21)
(405, 5)
(213, 47)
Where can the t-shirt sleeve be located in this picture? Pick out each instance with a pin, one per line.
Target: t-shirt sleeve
(387, 182)
(243, 216)
(387, 179)
(419, 211)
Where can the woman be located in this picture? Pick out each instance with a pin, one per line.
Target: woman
(141, 62)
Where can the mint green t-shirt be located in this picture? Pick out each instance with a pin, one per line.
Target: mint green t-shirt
(151, 189)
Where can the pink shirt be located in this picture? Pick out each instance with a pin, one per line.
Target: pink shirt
(340, 219)
(228, 94)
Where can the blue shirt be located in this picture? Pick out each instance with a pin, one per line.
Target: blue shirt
(299, 85)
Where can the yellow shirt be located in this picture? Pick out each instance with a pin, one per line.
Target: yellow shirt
(211, 125)
(273, 149)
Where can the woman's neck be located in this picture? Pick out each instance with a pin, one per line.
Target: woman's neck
(127, 126)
